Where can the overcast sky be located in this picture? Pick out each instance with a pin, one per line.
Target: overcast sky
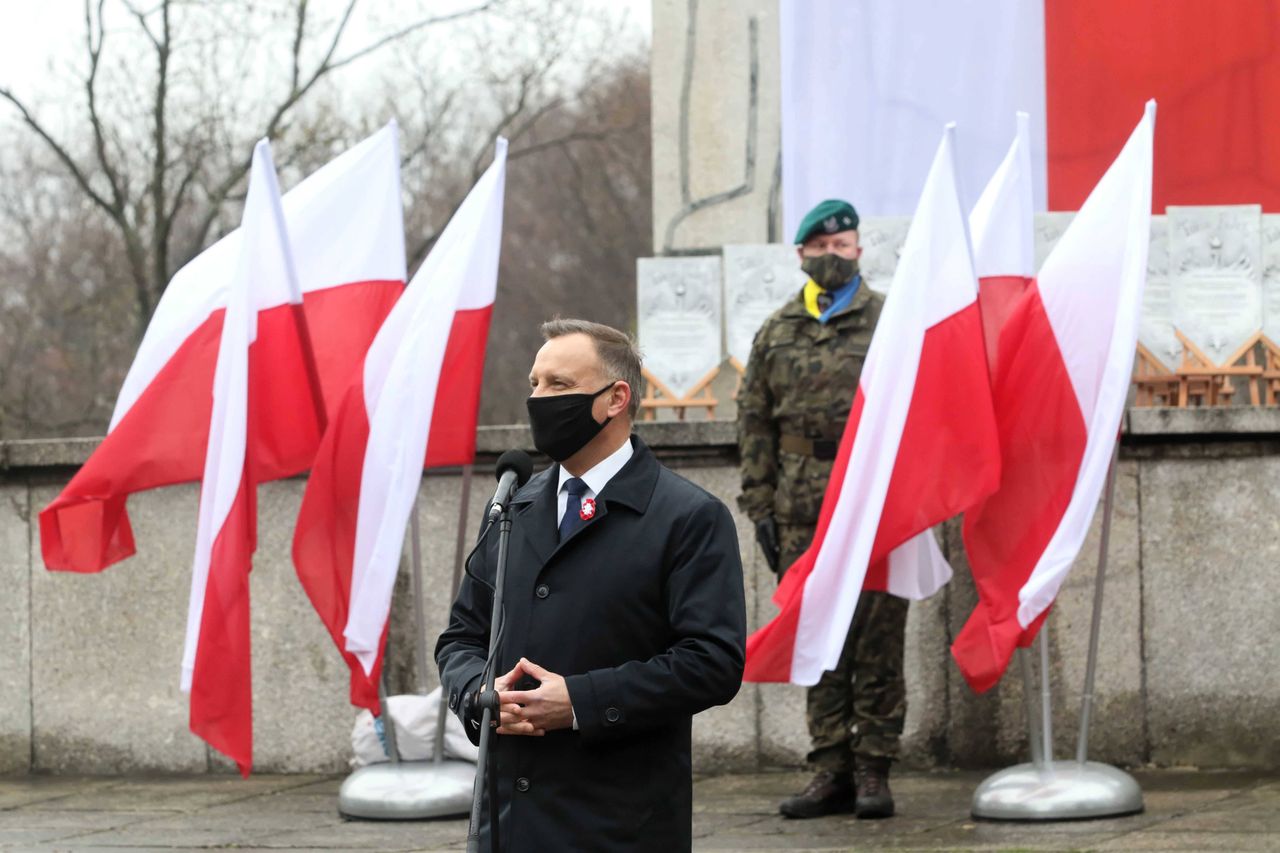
(42, 37)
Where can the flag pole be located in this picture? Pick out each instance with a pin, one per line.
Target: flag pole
(1029, 703)
(1046, 696)
(459, 550)
(1095, 626)
(1048, 790)
(415, 790)
(415, 577)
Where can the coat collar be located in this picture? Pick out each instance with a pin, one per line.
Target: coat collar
(535, 503)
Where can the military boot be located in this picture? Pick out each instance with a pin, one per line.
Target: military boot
(828, 793)
(871, 785)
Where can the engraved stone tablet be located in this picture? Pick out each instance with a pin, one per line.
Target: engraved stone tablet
(679, 318)
(1215, 260)
(1271, 276)
(1156, 330)
(758, 279)
(1049, 228)
(881, 238)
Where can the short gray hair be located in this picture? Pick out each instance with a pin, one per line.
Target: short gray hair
(619, 356)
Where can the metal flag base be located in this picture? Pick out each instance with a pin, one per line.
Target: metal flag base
(409, 790)
(1063, 790)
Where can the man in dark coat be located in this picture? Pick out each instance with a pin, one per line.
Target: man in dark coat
(624, 617)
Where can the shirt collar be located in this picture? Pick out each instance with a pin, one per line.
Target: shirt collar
(599, 476)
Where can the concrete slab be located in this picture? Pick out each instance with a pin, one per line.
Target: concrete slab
(107, 650)
(15, 629)
(1210, 565)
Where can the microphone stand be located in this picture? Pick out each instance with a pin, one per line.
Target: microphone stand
(489, 699)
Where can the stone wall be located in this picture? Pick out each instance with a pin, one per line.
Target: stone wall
(1187, 675)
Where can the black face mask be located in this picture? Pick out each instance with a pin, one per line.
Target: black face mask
(562, 423)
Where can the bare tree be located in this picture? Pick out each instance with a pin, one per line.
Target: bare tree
(164, 183)
(96, 219)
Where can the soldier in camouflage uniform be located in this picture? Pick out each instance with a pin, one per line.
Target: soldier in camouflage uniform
(801, 377)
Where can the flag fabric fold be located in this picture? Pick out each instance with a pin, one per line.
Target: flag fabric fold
(416, 391)
(347, 237)
(216, 667)
(1066, 353)
(919, 446)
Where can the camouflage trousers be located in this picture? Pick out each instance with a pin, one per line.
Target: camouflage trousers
(858, 708)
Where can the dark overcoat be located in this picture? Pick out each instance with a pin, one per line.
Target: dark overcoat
(642, 611)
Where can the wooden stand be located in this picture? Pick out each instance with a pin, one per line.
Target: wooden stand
(658, 396)
(1156, 384)
(1271, 369)
(1211, 384)
(741, 370)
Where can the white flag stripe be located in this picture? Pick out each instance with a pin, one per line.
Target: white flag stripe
(401, 376)
(917, 568)
(1097, 270)
(898, 69)
(1004, 209)
(365, 245)
(934, 279)
(263, 262)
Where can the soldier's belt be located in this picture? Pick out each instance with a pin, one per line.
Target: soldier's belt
(819, 448)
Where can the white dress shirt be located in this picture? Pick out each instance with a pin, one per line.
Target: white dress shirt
(596, 478)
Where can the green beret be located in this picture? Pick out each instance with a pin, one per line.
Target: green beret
(829, 217)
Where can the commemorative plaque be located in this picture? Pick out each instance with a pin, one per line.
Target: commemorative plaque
(1271, 277)
(758, 279)
(1215, 263)
(1156, 330)
(678, 301)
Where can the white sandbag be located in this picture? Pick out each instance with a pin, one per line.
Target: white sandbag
(415, 720)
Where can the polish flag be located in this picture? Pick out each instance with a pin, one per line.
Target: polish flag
(1081, 68)
(421, 372)
(1065, 360)
(920, 445)
(348, 241)
(1002, 225)
(216, 656)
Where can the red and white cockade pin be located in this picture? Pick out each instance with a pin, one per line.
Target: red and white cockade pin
(588, 510)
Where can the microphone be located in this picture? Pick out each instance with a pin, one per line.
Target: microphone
(515, 467)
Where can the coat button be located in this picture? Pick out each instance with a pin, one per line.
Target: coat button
(453, 701)
(522, 784)
(612, 715)
(542, 591)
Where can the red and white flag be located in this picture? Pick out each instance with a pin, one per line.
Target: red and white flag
(1002, 226)
(919, 446)
(421, 372)
(347, 235)
(1065, 360)
(216, 655)
(1081, 68)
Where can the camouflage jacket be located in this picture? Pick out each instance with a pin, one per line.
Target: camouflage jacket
(800, 381)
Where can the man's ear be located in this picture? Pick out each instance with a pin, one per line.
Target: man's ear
(619, 398)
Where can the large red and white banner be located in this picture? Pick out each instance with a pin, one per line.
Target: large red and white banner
(1066, 353)
(867, 84)
(419, 381)
(920, 446)
(347, 235)
(216, 657)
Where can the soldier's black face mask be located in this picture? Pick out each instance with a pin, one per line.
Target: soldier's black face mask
(562, 424)
(830, 271)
